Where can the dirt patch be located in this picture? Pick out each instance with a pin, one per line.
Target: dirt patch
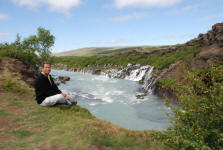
(100, 147)
(1, 65)
(6, 123)
(51, 147)
(5, 138)
(25, 72)
(209, 56)
(3, 148)
(37, 128)
(124, 148)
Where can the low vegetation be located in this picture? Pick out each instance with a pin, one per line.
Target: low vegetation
(159, 61)
(90, 51)
(32, 50)
(198, 120)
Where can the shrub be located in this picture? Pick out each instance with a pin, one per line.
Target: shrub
(32, 50)
(198, 122)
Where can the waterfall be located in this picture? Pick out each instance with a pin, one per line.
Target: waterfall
(143, 74)
(149, 81)
(137, 74)
(134, 73)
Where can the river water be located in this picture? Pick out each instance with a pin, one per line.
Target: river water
(115, 100)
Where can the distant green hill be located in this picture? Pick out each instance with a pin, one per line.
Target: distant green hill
(90, 51)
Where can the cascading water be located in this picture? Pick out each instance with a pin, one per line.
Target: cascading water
(134, 73)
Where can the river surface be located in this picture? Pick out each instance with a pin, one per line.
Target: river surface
(115, 100)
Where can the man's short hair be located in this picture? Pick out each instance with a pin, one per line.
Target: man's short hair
(45, 62)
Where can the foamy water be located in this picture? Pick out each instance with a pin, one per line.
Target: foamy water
(115, 100)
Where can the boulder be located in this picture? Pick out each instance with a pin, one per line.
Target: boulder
(63, 79)
(214, 36)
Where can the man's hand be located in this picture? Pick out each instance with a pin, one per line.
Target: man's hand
(64, 95)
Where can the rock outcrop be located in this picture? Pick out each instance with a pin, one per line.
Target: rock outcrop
(214, 36)
(211, 54)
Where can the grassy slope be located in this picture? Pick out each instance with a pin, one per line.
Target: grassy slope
(159, 61)
(106, 50)
(26, 125)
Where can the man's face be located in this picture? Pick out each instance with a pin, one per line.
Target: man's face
(46, 69)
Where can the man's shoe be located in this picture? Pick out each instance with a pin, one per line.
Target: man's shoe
(63, 106)
(72, 101)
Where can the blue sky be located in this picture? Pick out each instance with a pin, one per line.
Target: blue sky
(96, 23)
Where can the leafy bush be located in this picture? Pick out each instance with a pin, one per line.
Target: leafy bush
(198, 122)
(26, 56)
(32, 50)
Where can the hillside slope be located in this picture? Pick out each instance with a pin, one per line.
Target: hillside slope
(210, 55)
(90, 51)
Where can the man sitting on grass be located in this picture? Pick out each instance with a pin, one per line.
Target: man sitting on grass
(47, 92)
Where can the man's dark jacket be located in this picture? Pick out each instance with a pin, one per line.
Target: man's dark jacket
(43, 88)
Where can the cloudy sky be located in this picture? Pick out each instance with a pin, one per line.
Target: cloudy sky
(94, 23)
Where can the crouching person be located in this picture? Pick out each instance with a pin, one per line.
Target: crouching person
(47, 92)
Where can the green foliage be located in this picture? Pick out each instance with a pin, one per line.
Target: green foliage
(4, 113)
(20, 134)
(32, 50)
(198, 122)
(159, 61)
(9, 85)
(116, 50)
(46, 40)
(171, 83)
(28, 57)
(128, 140)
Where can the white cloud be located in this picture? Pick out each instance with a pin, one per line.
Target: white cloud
(129, 17)
(192, 7)
(3, 16)
(215, 16)
(3, 35)
(119, 41)
(188, 8)
(176, 36)
(61, 6)
(96, 42)
(144, 3)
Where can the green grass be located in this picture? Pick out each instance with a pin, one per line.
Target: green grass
(159, 61)
(108, 50)
(21, 134)
(10, 85)
(169, 82)
(4, 112)
(117, 51)
(74, 128)
(16, 120)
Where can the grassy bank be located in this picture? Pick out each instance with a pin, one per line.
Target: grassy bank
(26, 125)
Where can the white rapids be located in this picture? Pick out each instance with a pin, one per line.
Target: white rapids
(115, 100)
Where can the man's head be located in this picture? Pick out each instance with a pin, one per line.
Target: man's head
(46, 68)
